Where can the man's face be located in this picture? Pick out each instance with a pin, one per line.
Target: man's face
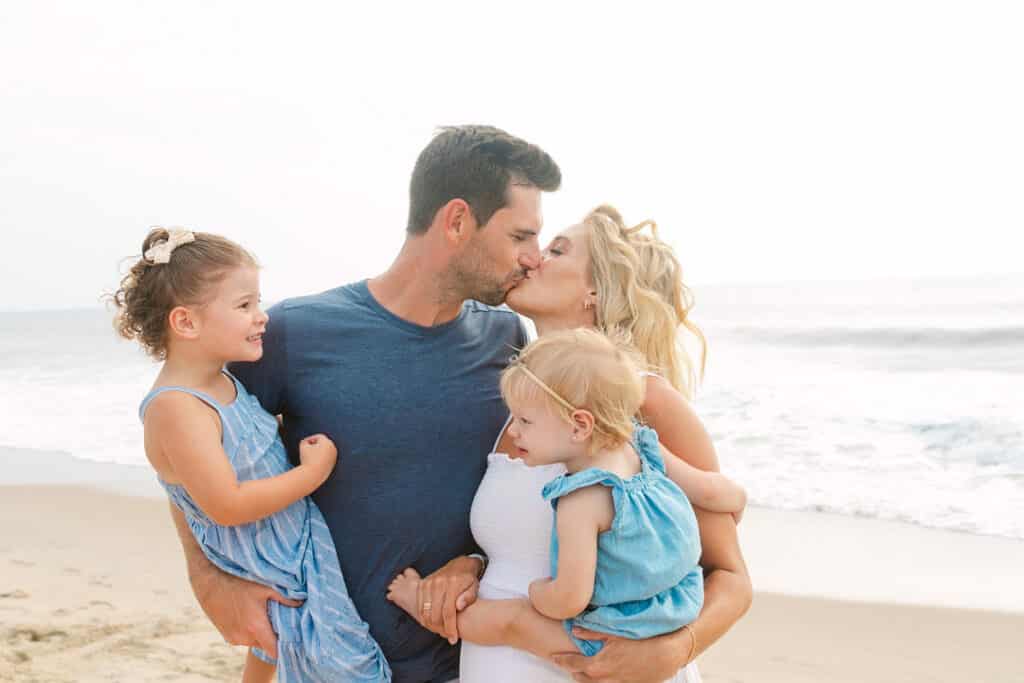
(501, 252)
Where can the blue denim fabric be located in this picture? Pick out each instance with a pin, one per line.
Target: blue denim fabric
(648, 581)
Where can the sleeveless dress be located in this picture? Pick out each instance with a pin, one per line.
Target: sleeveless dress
(512, 524)
(648, 581)
(291, 551)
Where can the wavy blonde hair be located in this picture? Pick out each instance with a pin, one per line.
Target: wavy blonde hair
(580, 369)
(641, 297)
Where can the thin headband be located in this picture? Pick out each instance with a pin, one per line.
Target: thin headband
(519, 365)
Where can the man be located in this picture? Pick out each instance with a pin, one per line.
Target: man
(401, 371)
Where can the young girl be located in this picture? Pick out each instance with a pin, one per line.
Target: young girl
(625, 543)
(193, 302)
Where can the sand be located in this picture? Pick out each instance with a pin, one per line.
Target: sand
(93, 588)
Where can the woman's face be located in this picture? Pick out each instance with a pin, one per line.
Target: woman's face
(561, 284)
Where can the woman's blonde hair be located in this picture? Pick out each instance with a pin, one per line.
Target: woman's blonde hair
(641, 297)
(580, 369)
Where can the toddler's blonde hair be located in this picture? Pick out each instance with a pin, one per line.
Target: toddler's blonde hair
(580, 370)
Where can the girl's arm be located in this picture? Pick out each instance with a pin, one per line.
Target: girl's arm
(582, 515)
(690, 456)
(712, 491)
(187, 437)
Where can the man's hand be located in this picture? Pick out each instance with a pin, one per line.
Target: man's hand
(648, 661)
(443, 594)
(238, 609)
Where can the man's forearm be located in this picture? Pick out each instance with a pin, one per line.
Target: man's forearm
(200, 569)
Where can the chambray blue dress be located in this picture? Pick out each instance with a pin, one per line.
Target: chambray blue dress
(647, 581)
(291, 551)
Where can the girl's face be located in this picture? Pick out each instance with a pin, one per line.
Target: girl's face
(231, 325)
(541, 437)
(561, 285)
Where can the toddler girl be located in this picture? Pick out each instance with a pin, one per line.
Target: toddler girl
(625, 544)
(192, 301)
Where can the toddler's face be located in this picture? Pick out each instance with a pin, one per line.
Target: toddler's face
(232, 323)
(540, 436)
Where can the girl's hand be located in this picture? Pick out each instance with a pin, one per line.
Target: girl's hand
(319, 454)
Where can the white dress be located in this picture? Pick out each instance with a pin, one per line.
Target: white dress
(512, 524)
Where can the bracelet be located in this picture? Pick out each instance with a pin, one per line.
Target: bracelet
(693, 644)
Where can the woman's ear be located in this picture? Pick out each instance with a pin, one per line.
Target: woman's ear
(582, 425)
(590, 300)
(183, 323)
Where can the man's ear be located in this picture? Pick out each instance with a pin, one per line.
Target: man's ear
(582, 425)
(183, 322)
(457, 221)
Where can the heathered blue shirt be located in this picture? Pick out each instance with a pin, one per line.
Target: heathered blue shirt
(414, 411)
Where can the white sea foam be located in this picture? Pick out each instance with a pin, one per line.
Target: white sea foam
(895, 402)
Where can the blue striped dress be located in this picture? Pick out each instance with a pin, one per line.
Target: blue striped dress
(291, 551)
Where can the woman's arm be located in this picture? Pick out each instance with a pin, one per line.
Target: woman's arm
(188, 440)
(689, 454)
(727, 587)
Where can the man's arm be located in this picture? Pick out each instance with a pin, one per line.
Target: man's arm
(238, 608)
(448, 591)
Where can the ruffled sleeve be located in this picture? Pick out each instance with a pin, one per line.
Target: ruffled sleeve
(645, 441)
(555, 489)
(567, 483)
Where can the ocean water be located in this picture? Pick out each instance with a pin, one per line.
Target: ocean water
(891, 400)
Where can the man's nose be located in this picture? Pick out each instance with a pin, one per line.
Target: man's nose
(530, 258)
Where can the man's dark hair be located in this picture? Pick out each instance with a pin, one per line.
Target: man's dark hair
(476, 164)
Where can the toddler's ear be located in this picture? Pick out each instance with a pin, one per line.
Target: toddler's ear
(582, 425)
(183, 323)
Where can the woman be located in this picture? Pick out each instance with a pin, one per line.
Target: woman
(602, 274)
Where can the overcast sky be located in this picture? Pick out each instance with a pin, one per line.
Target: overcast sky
(770, 140)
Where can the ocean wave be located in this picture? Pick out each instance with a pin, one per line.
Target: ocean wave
(884, 337)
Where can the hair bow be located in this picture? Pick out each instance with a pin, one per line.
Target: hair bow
(161, 251)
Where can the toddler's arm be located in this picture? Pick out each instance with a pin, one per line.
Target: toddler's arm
(712, 491)
(582, 515)
(188, 437)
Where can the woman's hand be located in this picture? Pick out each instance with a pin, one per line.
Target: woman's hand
(647, 661)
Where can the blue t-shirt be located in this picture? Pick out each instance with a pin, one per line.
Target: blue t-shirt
(414, 411)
